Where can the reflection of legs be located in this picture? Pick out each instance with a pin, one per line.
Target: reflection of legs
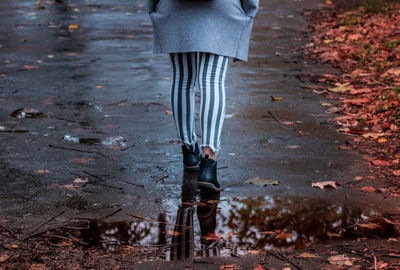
(184, 67)
(212, 107)
(183, 236)
(182, 244)
(207, 215)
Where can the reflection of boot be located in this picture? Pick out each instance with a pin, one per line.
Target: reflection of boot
(207, 216)
(182, 244)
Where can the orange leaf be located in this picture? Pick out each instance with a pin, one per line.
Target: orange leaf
(369, 189)
(378, 162)
(283, 235)
(82, 160)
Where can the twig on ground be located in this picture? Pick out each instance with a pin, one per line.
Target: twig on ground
(133, 184)
(4, 227)
(48, 221)
(116, 103)
(282, 257)
(280, 122)
(113, 213)
(228, 186)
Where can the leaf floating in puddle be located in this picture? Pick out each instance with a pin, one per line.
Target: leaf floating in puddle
(326, 184)
(260, 182)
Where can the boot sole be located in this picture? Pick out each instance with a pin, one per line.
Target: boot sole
(207, 186)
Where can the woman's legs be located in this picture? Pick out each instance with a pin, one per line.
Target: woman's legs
(212, 105)
(211, 70)
(184, 67)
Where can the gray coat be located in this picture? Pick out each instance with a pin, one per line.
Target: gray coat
(217, 26)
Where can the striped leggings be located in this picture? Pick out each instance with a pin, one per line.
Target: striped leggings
(209, 71)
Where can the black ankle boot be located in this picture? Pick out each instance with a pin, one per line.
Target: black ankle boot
(208, 175)
(191, 157)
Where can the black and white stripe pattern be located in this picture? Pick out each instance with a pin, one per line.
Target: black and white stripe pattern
(209, 70)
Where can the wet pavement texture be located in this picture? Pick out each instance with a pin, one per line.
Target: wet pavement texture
(85, 128)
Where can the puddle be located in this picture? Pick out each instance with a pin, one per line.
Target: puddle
(109, 141)
(208, 226)
(27, 113)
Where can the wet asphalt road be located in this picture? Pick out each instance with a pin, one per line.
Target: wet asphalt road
(101, 81)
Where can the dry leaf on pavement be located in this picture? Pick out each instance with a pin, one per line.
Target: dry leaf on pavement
(326, 184)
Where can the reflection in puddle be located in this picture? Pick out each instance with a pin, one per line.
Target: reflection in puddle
(207, 226)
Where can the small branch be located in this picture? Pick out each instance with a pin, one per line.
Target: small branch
(4, 227)
(116, 103)
(283, 258)
(113, 213)
(38, 228)
(280, 122)
(133, 184)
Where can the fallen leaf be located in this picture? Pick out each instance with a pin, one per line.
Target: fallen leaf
(168, 112)
(382, 140)
(326, 184)
(42, 171)
(341, 88)
(341, 260)
(258, 267)
(210, 237)
(378, 162)
(396, 172)
(287, 123)
(357, 101)
(228, 267)
(307, 255)
(293, 146)
(73, 26)
(80, 180)
(173, 233)
(283, 235)
(369, 226)
(28, 67)
(260, 182)
(334, 235)
(369, 189)
(276, 98)
(4, 257)
(14, 246)
(82, 160)
(373, 135)
(394, 71)
(326, 104)
(333, 110)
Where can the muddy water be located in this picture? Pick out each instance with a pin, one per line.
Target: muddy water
(207, 225)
